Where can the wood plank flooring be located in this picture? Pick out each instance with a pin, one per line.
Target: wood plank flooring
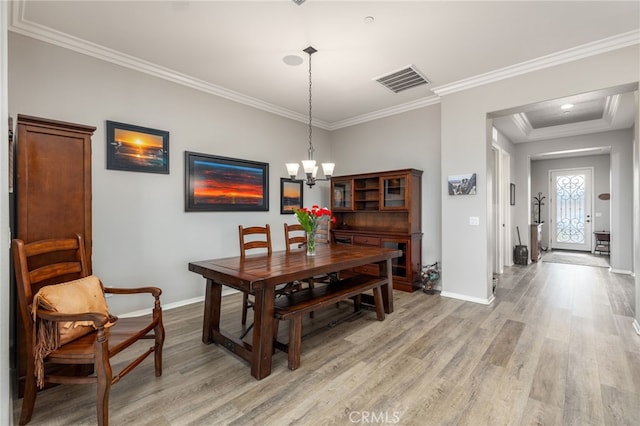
(557, 347)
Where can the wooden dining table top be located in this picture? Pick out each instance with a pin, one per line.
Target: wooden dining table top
(252, 272)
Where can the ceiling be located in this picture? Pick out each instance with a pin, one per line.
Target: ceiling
(236, 49)
(593, 112)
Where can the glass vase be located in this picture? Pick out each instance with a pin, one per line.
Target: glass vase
(311, 243)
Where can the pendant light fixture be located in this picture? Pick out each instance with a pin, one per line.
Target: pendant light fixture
(309, 165)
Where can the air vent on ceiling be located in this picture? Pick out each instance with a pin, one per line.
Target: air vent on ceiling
(403, 79)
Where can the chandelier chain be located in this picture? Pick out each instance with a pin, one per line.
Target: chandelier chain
(309, 165)
(310, 116)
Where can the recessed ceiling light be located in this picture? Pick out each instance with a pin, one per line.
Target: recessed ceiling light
(566, 107)
(292, 60)
(369, 19)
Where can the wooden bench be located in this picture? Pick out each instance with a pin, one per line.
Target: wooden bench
(295, 305)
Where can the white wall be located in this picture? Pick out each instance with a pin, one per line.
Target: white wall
(636, 209)
(466, 271)
(6, 411)
(601, 183)
(408, 140)
(141, 233)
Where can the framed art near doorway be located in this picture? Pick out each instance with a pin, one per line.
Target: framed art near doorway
(512, 194)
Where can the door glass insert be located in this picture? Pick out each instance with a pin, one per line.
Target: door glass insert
(570, 209)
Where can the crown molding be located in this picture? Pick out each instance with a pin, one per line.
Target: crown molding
(31, 29)
(521, 121)
(611, 108)
(583, 51)
(565, 130)
(20, 25)
(387, 112)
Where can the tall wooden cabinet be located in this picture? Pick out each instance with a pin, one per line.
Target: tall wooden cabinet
(382, 209)
(52, 190)
(53, 180)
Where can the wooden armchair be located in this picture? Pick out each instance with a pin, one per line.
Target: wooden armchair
(60, 261)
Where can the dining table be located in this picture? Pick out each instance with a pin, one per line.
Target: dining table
(260, 274)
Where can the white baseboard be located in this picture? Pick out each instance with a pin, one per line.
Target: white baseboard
(466, 298)
(178, 304)
(164, 307)
(620, 271)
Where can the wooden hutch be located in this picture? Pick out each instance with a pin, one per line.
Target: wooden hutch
(382, 209)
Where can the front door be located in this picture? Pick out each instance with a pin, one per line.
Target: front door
(571, 209)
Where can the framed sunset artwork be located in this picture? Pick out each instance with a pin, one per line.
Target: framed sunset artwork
(290, 195)
(137, 149)
(214, 183)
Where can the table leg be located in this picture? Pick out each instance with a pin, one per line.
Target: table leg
(212, 301)
(387, 289)
(262, 346)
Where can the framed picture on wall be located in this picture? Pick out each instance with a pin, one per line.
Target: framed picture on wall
(290, 195)
(462, 184)
(512, 194)
(214, 183)
(137, 149)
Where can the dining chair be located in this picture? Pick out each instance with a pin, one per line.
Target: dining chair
(294, 235)
(323, 236)
(253, 238)
(70, 336)
(322, 232)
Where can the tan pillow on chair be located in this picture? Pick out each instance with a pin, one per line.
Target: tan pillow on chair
(73, 297)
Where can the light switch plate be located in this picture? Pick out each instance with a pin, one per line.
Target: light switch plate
(474, 220)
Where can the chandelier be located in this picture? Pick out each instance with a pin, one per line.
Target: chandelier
(309, 165)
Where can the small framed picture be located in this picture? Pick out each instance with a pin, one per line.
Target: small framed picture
(462, 184)
(512, 194)
(290, 195)
(214, 183)
(137, 149)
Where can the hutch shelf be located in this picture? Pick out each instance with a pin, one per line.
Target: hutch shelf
(382, 209)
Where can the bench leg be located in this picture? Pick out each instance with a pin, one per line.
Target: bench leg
(357, 302)
(295, 341)
(245, 307)
(377, 299)
(276, 323)
(311, 286)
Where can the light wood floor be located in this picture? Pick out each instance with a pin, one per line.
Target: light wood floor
(556, 347)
